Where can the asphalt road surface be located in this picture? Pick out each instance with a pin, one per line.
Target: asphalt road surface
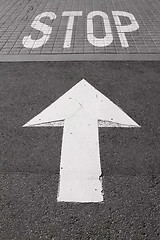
(30, 157)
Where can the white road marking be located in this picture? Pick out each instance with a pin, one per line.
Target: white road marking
(99, 42)
(82, 109)
(80, 160)
(28, 42)
(124, 29)
(71, 15)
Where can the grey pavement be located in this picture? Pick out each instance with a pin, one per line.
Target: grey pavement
(30, 157)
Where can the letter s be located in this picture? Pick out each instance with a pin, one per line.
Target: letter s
(28, 42)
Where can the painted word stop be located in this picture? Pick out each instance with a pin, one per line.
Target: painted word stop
(70, 16)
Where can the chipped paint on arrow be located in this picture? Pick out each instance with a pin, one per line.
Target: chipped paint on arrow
(81, 111)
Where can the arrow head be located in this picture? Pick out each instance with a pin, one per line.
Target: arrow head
(83, 95)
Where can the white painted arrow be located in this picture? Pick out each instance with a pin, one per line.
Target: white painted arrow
(81, 111)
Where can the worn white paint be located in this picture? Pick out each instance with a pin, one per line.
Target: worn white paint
(82, 109)
(80, 160)
(126, 28)
(99, 42)
(71, 16)
(28, 42)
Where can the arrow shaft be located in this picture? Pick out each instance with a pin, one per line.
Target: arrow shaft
(80, 160)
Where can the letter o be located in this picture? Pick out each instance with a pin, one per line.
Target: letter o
(99, 42)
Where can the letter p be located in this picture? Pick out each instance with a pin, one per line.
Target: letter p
(124, 29)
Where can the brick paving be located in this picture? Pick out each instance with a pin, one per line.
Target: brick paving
(16, 17)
